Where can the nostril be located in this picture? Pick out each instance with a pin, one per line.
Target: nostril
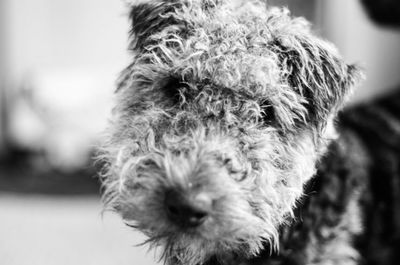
(200, 215)
(173, 210)
(184, 211)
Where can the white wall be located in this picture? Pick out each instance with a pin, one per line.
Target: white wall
(377, 49)
(3, 67)
(67, 54)
(65, 34)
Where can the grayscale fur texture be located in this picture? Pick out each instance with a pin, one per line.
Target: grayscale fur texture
(232, 105)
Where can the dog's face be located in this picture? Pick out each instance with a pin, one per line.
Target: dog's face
(219, 122)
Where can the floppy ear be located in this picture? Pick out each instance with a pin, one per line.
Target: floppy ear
(315, 71)
(154, 16)
(151, 17)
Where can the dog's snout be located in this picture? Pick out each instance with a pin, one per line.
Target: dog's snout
(187, 211)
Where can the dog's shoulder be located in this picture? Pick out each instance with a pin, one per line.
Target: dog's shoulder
(377, 125)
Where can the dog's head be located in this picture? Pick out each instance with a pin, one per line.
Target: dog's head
(219, 122)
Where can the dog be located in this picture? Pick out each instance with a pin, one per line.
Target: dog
(221, 121)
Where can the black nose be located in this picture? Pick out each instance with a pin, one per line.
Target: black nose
(186, 211)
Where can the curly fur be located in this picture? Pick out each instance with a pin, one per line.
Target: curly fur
(231, 104)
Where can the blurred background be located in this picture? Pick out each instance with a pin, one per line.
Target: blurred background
(58, 64)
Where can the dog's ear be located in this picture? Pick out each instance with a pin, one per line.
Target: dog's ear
(154, 16)
(150, 17)
(316, 72)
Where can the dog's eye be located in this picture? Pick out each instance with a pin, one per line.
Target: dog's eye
(174, 88)
(268, 113)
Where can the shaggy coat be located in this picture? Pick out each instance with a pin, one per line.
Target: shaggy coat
(228, 108)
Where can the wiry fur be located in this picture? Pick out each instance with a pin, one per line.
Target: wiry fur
(227, 103)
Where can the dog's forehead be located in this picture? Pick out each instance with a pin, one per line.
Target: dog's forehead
(227, 48)
(258, 53)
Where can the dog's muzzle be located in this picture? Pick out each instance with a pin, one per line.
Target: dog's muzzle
(186, 210)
